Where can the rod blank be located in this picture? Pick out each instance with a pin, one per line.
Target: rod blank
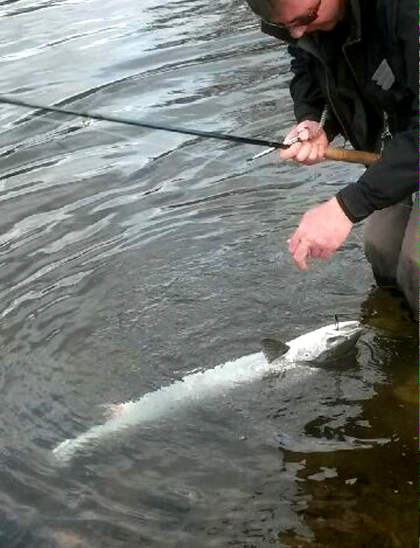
(336, 154)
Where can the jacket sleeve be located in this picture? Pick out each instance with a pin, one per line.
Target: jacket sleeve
(395, 176)
(386, 183)
(305, 92)
(307, 97)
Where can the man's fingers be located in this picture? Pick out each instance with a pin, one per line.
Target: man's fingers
(304, 152)
(290, 153)
(314, 154)
(293, 241)
(304, 134)
(316, 251)
(301, 248)
(300, 254)
(293, 133)
(304, 249)
(290, 137)
(326, 253)
(321, 152)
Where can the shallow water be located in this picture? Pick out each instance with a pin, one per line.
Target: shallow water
(129, 258)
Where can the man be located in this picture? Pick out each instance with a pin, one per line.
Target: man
(355, 65)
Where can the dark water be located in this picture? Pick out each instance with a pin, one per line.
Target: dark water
(129, 258)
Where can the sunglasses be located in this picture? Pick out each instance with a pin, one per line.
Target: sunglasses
(301, 21)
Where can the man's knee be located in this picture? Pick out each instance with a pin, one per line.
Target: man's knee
(384, 236)
(407, 270)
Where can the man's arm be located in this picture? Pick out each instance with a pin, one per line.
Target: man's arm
(308, 99)
(385, 183)
(396, 175)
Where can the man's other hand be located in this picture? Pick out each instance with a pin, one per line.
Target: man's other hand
(320, 233)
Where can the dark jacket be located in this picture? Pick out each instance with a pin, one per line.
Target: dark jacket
(365, 67)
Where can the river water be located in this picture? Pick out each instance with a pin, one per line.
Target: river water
(130, 258)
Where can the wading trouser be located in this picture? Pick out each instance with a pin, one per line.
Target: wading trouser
(392, 248)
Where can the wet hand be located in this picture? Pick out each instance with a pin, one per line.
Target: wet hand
(320, 233)
(310, 148)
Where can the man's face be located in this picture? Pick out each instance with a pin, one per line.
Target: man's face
(304, 16)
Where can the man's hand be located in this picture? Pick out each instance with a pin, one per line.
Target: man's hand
(312, 143)
(320, 233)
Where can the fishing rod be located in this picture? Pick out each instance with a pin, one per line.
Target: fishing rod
(331, 153)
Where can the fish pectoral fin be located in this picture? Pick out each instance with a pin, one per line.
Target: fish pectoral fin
(273, 349)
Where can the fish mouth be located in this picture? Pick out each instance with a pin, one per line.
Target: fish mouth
(340, 342)
(347, 325)
(349, 329)
(351, 332)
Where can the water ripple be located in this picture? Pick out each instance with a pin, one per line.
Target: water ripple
(130, 257)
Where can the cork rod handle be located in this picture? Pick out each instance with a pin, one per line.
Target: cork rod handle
(352, 156)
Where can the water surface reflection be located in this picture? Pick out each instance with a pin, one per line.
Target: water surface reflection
(129, 258)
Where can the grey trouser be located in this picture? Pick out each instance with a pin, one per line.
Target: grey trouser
(392, 248)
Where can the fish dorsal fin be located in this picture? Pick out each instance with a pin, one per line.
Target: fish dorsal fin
(273, 349)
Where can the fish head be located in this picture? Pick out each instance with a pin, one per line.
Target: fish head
(336, 341)
(328, 343)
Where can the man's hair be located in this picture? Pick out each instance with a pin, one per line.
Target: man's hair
(263, 8)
